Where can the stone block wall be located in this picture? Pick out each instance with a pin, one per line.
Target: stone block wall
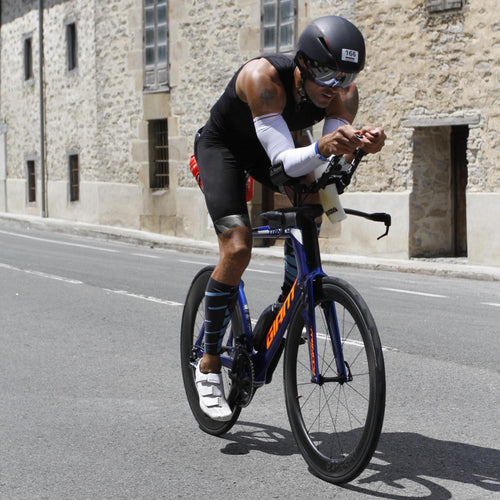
(118, 28)
(94, 110)
(431, 66)
(19, 99)
(70, 96)
(209, 42)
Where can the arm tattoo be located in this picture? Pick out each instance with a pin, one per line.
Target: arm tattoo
(266, 96)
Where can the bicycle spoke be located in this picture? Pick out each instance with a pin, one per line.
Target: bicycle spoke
(352, 388)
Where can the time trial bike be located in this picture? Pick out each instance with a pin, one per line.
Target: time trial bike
(334, 375)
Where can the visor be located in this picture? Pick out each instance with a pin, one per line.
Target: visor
(328, 77)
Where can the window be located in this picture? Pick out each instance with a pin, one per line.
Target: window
(155, 45)
(28, 57)
(31, 178)
(71, 46)
(74, 177)
(443, 5)
(158, 153)
(278, 25)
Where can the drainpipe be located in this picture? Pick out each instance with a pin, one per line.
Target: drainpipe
(3, 164)
(42, 112)
(3, 133)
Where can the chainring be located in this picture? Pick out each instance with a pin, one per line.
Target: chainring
(242, 377)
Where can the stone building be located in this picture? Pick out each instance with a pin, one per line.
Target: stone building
(99, 103)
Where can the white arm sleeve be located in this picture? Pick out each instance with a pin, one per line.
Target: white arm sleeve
(332, 124)
(275, 137)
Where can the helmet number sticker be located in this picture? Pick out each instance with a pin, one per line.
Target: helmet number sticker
(350, 55)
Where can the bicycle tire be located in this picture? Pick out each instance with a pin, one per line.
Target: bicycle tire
(336, 426)
(193, 317)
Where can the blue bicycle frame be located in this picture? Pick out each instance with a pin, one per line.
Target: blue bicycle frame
(307, 286)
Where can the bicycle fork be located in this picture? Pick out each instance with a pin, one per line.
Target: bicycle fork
(343, 370)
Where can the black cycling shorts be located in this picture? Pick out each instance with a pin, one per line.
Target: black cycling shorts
(223, 171)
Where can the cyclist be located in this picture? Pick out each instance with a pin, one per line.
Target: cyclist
(249, 131)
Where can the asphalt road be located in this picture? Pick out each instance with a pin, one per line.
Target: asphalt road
(92, 403)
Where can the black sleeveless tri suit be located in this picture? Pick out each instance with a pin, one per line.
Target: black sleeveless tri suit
(228, 147)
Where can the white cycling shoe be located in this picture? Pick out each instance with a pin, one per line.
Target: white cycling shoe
(211, 393)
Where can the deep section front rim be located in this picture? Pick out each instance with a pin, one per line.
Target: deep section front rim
(336, 424)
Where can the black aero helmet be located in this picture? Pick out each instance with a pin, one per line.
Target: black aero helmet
(332, 50)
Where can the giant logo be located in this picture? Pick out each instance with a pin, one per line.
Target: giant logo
(271, 334)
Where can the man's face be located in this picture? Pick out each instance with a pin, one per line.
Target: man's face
(320, 96)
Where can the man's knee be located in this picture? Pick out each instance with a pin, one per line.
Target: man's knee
(236, 245)
(239, 251)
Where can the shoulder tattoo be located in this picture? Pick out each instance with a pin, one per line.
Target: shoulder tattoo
(266, 96)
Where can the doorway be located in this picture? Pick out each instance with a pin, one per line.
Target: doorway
(438, 212)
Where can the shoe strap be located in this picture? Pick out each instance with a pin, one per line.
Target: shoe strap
(208, 390)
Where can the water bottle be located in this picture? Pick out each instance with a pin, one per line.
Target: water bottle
(330, 199)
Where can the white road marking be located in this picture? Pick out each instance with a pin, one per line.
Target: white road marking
(356, 343)
(79, 245)
(410, 292)
(253, 270)
(78, 282)
(250, 269)
(146, 255)
(490, 304)
(144, 297)
(198, 263)
(42, 275)
(57, 242)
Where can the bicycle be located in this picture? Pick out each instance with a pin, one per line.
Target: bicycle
(334, 375)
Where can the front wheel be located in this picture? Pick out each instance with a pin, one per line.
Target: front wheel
(192, 338)
(336, 424)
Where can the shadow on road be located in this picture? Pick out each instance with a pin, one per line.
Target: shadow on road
(404, 462)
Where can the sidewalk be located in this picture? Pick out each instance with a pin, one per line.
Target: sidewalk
(458, 268)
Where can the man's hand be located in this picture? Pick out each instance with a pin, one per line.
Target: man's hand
(346, 139)
(373, 139)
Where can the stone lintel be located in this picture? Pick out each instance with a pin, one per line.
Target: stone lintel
(446, 121)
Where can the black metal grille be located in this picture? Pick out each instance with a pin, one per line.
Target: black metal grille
(30, 166)
(28, 58)
(71, 42)
(74, 178)
(158, 140)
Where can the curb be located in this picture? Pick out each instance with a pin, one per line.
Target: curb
(437, 267)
